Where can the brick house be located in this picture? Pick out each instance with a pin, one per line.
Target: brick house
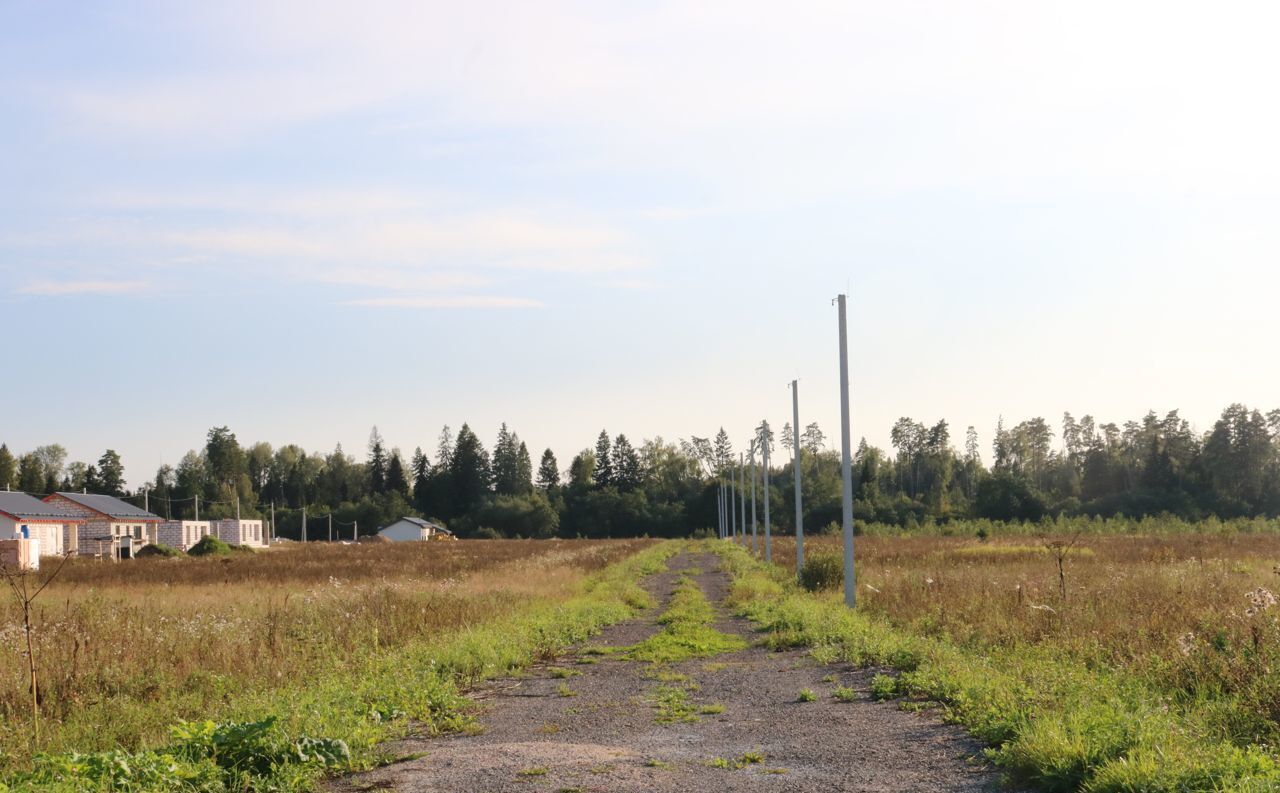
(108, 527)
(234, 531)
(182, 534)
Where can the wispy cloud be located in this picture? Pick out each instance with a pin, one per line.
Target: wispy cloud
(61, 288)
(452, 301)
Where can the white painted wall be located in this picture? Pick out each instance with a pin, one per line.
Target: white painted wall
(404, 531)
(49, 534)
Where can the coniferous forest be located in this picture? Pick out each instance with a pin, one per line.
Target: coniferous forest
(1155, 465)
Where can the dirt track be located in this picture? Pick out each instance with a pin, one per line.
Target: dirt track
(598, 731)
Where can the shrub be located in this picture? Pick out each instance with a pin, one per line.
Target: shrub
(210, 546)
(159, 550)
(822, 570)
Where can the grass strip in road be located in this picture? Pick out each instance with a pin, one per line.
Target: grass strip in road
(688, 630)
(333, 721)
(1053, 723)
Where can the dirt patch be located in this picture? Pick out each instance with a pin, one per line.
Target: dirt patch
(742, 725)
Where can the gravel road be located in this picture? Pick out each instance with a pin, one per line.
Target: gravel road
(598, 731)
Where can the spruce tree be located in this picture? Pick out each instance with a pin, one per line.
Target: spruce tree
(377, 463)
(8, 468)
(548, 472)
(524, 468)
(604, 460)
(470, 473)
(626, 464)
(110, 474)
(396, 480)
(420, 467)
(506, 474)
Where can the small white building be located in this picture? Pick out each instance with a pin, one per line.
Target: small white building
(234, 531)
(24, 517)
(183, 534)
(414, 529)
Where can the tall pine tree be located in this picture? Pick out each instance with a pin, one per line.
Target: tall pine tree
(8, 468)
(377, 463)
(626, 464)
(470, 474)
(548, 472)
(604, 460)
(396, 480)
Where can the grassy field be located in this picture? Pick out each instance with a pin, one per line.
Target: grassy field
(324, 642)
(1149, 663)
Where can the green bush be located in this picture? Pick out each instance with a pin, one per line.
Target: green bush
(159, 550)
(210, 546)
(822, 571)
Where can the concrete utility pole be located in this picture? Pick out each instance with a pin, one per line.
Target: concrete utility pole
(355, 531)
(197, 507)
(846, 465)
(732, 505)
(768, 540)
(304, 524)
(330, 527)
(795, 472)
(742, 495)
(755, 543)
(272, 535)
(720, 509)
(237, 509)
(146, 500)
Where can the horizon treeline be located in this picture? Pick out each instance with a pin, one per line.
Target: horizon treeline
(1152, 466)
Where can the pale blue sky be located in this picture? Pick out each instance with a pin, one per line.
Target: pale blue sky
(301, 219)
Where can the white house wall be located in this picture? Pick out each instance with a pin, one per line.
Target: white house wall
(49, 534)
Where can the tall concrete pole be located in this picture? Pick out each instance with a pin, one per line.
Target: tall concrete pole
(742, 495)
(755, 543)
(273, 521)
(197, 507)
(795, 471)
(846, 465)
(304, 524)
(733, 505)
(720, 508)
(768, 540)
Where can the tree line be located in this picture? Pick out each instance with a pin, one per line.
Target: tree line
(614, 487)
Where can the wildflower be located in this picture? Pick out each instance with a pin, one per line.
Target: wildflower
(928, 582)
(1187, 643)
(1260, 600)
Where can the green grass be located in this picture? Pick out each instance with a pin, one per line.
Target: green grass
(845, 694)
(286, 739)
(537, 770)
(673, 705)
(560, 673)
(806, 695)
(687, 631)
(1053, 723)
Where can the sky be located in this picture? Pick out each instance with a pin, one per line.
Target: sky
(301, 219)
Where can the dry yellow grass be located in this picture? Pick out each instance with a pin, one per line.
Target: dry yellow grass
(127, 649)
(1126, 596)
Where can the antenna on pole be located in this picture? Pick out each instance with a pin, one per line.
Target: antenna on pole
(846, 468)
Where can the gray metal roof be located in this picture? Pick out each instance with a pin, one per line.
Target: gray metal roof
(426, 524)
(110, 506)
(25, 507)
